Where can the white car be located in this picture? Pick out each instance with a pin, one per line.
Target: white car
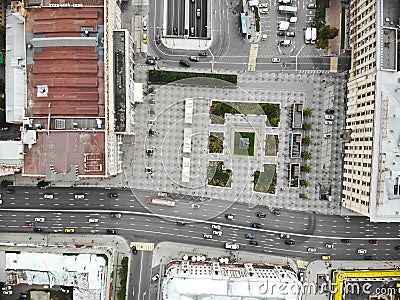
(40, 219)
(207, 236)
(276, 60)
(162, 194)
(217, 232)
(155, 277)
(329, 117)
(1, 201)
(215, 226)
(361, 251)
(261, 5)
(194, 205)
(79, 196)
(263, 10)
(229, 216)
(311, 249)
(92, 220)
(232, 246)
(329, 245)
(48, 196)
(7, 292)
(327, 135)
(328, 122)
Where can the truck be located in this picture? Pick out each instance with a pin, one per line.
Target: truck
(283, 25)
(307, 35)
(285, 9)
(160, 202)
(293, 20)
(313, 35)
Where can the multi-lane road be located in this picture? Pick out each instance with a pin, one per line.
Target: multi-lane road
(153, 223)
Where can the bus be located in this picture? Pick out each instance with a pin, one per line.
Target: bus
(285, 9)
(244, 24)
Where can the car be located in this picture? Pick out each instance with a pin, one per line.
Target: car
(300, 276)
(151, 61)
(79, 196)
(329, 111)
(48, 196)
(329, 245)
(93, 220)
(328, 122)
(250, 236)
(253, 243)
(368, 257)
(180, 222)
(329, 117)
(155, 277)
(30, 224)
(17, 138)
(311, 5)
(276, 60)
(158, 39)
(207, 236)
(217, 232)
(255, 225)
(290, 33)
(261, 5)
(346, 241)
(69, 230)
(397, 248)
(113, 195)
(116, 215)
(325, 257)
(215, 226)
(232, 246)
(289, 242)
(5, 128)
(261, 215)
(203, 53)
(10, 191)
(134, 250)
(7, 292)
(198, 12)
(311, 249)
(112, 231)
(229, 216)
(264, 10)
(37, 229)
(194, 205)
(275, 211)
(6, 288)
(162, 194)
(361, 251)
(194, 58)
(327, 135)
(374, 242)
(144, 26)
(175, 31)
(40, 219)
(185, 63)
(281, 33)
(284, 236)
(1, 201)
(144, 38)
(23, 296)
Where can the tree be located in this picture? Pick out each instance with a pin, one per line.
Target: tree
(307, 141)
(306, 169)
(327, 32)
(308, 112)
(303, 196)
(42, 184)
(4, 184)
(306, 155)
(304, 183)
(307, 126)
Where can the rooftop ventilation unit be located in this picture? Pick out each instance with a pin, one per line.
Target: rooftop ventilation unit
(42, 90)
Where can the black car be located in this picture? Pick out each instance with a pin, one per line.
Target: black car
(281, 33)
(10, 191)
(397, 248)
(253, 243)
(329, 111)
(151, 61)
(203, 53)
(346, 241)
(275, 211)
(37, 229)
(134, 251)
(184, 62)
(113, 195)
(261, 215)
(289, 242)
(255, 225)
(112, 231)
(250, 236)
(368, 257)
(116, 215)
(23, 296)
(180, 223)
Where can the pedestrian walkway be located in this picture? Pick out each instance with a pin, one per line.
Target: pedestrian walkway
(333, 17)
(253, 57)
(143, 246)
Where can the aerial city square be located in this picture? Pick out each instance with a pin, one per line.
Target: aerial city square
(200, 149)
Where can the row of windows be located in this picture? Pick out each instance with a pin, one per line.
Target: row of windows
(358, 122)
(368, 9)
(366, 103)
(355, 190)
(365, 68)
(363, 139)
(364, 86)
(363, 147)
(357, 172)
(366, 58)
(357, 164)
(362, 130)
(358, 181)
(358, 155)
(362, 113)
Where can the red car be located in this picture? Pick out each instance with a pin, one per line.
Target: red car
(29, 224)
(373, 242)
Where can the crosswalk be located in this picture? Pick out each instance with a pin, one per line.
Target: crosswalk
(143, 246)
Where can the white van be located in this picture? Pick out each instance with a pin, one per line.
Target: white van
(93, 220)
(286, 43)
(144, 25)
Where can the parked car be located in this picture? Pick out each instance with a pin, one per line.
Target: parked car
(217, 232)
(5, 128)
(327, 135)
(361, 251)
(194, 58)
(134, 250)
(261, 215)
(289, 242)
(255, 225)
(328, 122)
(112, 231)
(374, 242)
(275, 211)
(151, 61)
(215, 226)
(261, 5)
(229, 216)
(155, 277)
(264, 10)
(311, 5)
(311, 249)
(253, 243)
(284, 236)
(281, 33)
(116, 215)
(290, 33)
(232, 246)
(329, 117)
(329, 245)
(325, 257)
(37, 229)
(329, 111)
(207, 236)
(184, 62)
(250, 236)
(162, 194)
(203, 53)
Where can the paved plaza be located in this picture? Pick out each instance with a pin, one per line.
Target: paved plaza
(163, 115)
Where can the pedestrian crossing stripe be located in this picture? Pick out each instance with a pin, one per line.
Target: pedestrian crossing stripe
(143, 246)
(253, 57)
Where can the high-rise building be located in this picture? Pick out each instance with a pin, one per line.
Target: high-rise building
(372, 149)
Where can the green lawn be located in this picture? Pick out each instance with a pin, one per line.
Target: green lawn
(216, 176)
(216, 142)
(265, 182)
(271, 145)
(237, 150)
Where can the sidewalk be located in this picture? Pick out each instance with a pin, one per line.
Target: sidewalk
(333, 18)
